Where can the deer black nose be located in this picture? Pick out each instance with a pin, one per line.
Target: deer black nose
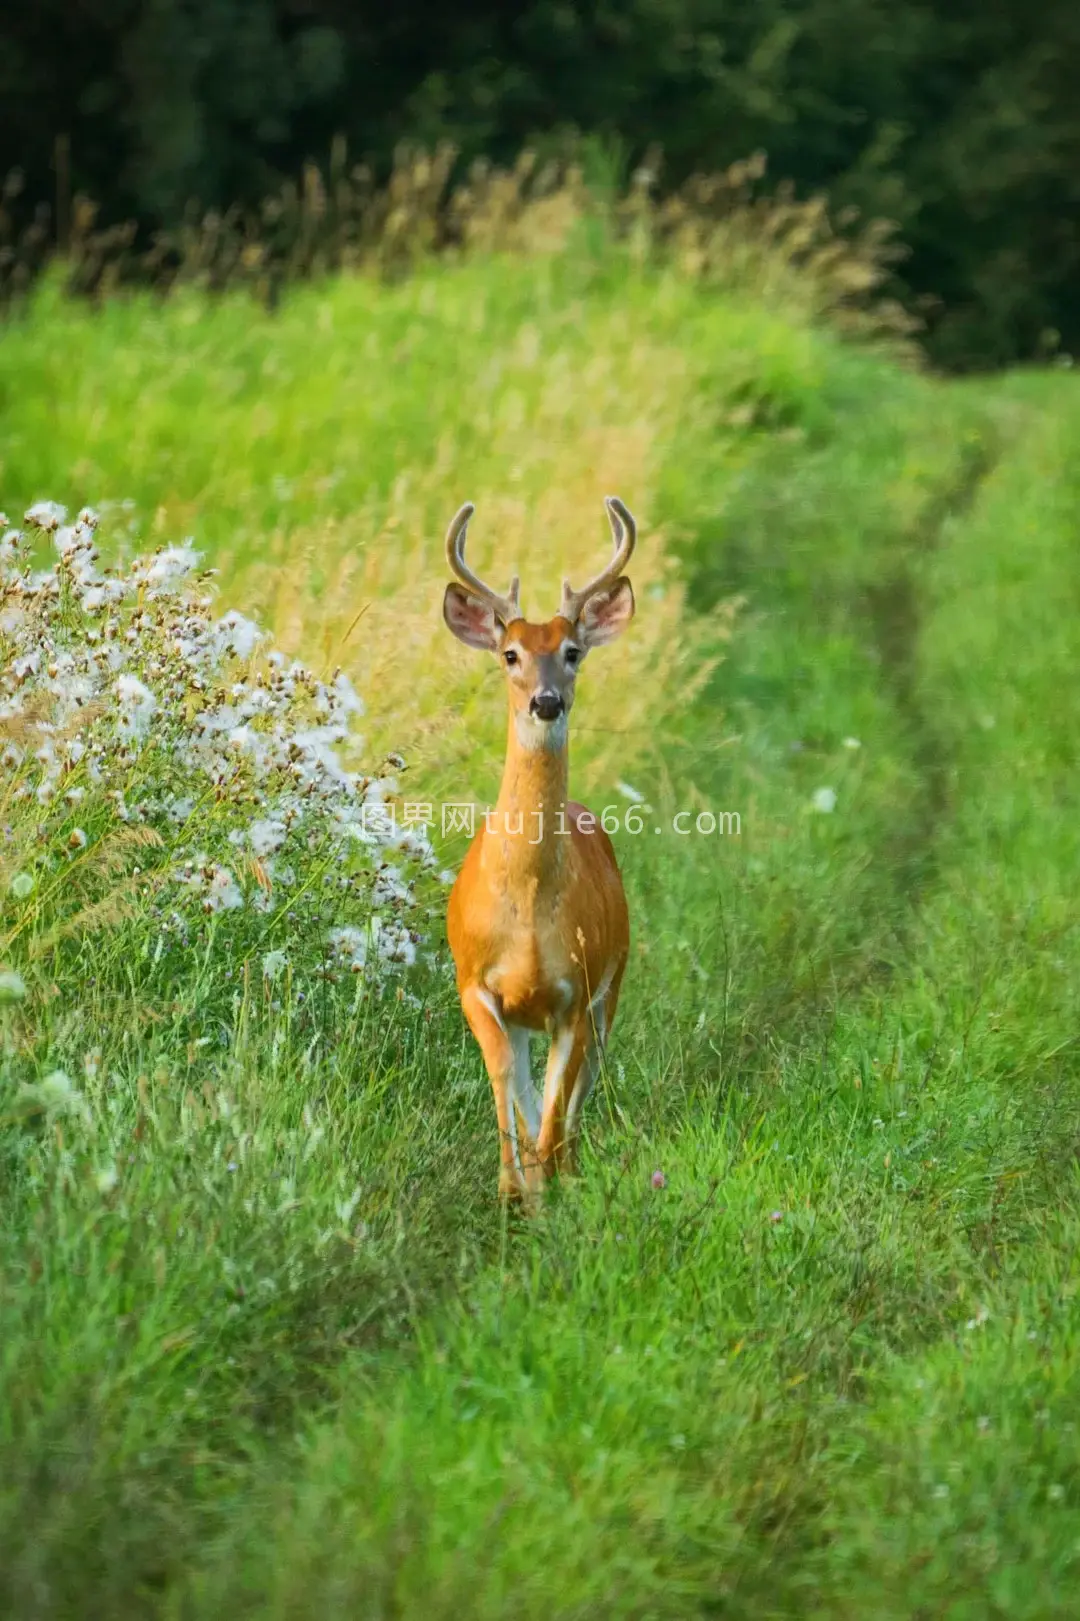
(546, 705)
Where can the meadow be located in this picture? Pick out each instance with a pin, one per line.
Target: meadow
(269, 1346)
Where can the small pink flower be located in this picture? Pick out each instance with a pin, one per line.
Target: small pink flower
(659, 1180)
(776, 1215)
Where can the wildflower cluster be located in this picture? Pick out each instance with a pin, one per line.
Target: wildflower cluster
(183, 763)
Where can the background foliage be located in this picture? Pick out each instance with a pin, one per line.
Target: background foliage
(957, 121)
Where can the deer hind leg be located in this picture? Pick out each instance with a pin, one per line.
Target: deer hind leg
(499, 1050)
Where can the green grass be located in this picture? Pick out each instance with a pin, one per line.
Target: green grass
(296, 1361)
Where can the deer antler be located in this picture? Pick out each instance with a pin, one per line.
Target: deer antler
(624, 533)
(505, 608)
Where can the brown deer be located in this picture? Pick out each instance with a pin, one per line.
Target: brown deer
(537, 918)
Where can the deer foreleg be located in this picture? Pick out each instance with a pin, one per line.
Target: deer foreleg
(600, 1012)
(486, 1022)
(568, 1047)
(526, 1099)
(586, 1079)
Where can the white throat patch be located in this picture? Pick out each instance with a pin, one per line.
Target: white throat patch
(541, 734)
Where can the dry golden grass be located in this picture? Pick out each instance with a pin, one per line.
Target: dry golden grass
(724, 228)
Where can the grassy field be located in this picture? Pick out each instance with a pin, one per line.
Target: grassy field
(268, 1345)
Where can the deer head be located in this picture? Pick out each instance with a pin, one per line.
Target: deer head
(541, 661)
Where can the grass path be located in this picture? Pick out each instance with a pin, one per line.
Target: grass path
(830, 1368)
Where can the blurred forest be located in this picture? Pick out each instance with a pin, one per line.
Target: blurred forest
(958, 119)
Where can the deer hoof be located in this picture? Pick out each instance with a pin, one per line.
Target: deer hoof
(512, 1187)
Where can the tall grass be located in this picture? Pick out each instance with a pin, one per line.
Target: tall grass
(269, 1345)
(323, 478)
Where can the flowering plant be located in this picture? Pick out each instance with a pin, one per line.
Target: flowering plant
(164, 766)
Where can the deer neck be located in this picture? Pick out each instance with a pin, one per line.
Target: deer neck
(528, 828)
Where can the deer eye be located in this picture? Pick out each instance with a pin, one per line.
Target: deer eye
(510, 656)
(573, 654)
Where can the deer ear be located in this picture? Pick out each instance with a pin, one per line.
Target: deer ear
(607, 614)
(471, 620)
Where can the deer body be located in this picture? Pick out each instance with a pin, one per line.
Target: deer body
(537, 918)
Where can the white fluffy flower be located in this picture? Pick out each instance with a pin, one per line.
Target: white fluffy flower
(274, 965)
(392, 941)
(172, 565)
(12, 986)
(68, 538)
(46, 514)
(223, 893)
(56, 1094)
(266, 836)
(137, 704)
(348, 699)
(237, 634)
(389, 886)
(28, 664)
(382, 943)
(351, 942)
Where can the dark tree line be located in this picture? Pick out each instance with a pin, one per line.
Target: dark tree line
(959, 119)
